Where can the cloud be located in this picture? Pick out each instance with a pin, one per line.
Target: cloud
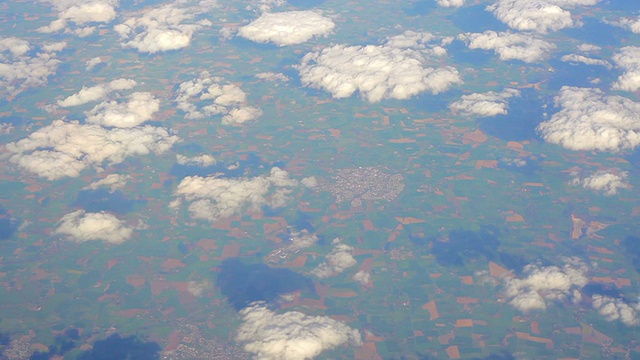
(291, 335)
(203, 160)
(544, 284)
(363, 277)
(19, 70)
(65, 148)
(537, 15)
(603, 181)
(93, 62)
(79, 17)
(588, 47)
(630, 23)
(264, 5)
(80, 226)
(510, 46)
(139, 108)
(450, 3)
(197, 288)
(302, 239)
(271, 76)
(227, 100)
(112, 181)
(337, 261)
(484, 104)
(575, 58)
(212, 198)
(95, 93)
(378, 72)
(628, 59)
(165, 28)
(590, 120)
(617, 309)
(287, 28)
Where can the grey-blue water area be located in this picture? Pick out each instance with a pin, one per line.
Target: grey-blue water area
(524, 114)
(620, 5)
(419, 8)
(8, 224)
(466, 244)
(596, 32)
(243, 284)
(577, 74)
(104, 200)
(461, 54)
(476, 19)
(116, 347)
(63, 343)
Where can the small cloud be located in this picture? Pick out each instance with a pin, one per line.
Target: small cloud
(271, 76)
(291, 335)
(203, 160)
(628, 59)
(80, 227)
(93, 62)
(287, 28)
(337, 261)
(80, 17)
(139, 108)
(111, 181)
(510, 46)
(537, 15)
(484, 104)
(603, 181)
(363, 277)
(617, 309)
(575, 58)
(95, 93)
(450, 3)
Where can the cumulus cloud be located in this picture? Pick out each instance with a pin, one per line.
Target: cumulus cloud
(387, 71)
(80, 226)
(20, 69)
(510, 46)
(139, 108)
(544, 284)
(65, 148)
(484, 104)
(291, 335)
(227, 100)
(603, 181)
(588, 47)
(95, 93)
(630, 23)
(212, 198)
(197, 288)
(93, 62)
(450, 3)
(337, 261)
(302, 239)
(165, 28)
(203, 160)
(287, 28)
(617, 309)
(537, 15)
(591, 120)
(111, 181)
(264, 5)
(363, 277)
(575, 58)
(272, 76)
(628, 59)
(80, 17)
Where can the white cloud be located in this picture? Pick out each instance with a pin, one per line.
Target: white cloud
(628, 59)
(589, 47)
(287, 28)
(112, 181)
(630, 23)
(450, 3)
(590, 120)
(617, 309)
(203, 160)
(165, 28)
(537, 15)
(510, 46)
(94, 93)
(20, 71)
(64, 149)
(575, 58)
(291, 335)
(212, 198)
(544, 284)
(227, 100)
(363, 277)
(53, 47)
(74, 16)
(337, 261)
(140, 107)
(603, 181)
(302, 239)
(484, 104)
(93, 62)
(80, 227)
(264, 5)
(197, 288)
(378, 72)
(272, 76)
